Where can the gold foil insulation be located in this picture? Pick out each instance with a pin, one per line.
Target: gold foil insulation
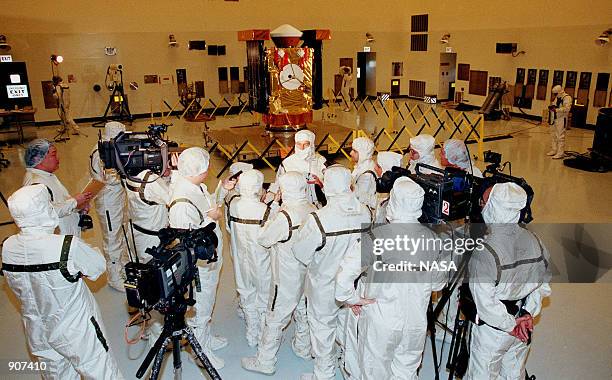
(287, 100)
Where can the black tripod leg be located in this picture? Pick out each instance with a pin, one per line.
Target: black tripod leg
(176, 355)
(431, 325)
(199, 353)
(458, 336)
(159, 359)
(156, 352)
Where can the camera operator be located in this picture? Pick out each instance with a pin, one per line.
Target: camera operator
(110, 206)
(561, 107)
(247, 216)
(455, 154)
(147, 203)
(61, 92)
(306, 161)
(288, 275)
(508, 280)
(386, 161)
(191, 206)
(321, 244)
(62, 322)
(422, 151)
(364, 174)
(41, 162)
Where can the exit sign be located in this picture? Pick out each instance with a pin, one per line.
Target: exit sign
(6, 58)
(366, 49)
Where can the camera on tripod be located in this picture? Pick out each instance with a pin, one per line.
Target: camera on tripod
(158, 282)
(453, 194)
(132, 152)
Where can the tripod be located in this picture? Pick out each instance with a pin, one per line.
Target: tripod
(62, 134)
(173, 331)
(117, 96)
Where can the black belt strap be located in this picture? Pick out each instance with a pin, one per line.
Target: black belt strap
(48, 189)
(291, 226)
(227, 208)
(62, 265)
(144, 230)
(186, 200)
(515, 264)
(325, 234)
(99, 333)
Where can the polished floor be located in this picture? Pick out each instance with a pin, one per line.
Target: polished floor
(572, 338)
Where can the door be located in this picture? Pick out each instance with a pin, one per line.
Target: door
(366, 74)
(447, 73)
(395, 87)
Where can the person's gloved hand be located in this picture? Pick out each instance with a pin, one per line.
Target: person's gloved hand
(215, 213)
(356, 308)
(524, 326)
(82, 199)
(229, 184)
(316, 181)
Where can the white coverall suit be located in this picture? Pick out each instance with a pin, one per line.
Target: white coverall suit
(247, 216)
(513, 266)
(62, 202)
(110, 204)
(188, 208)
(424, 145)
(148, 202)
(392, 330)
(386, 161)
(63, 325)
(223, 197)
(322, 242)
(364, 174)
(457, 153)
(287, 294)
(62, 93)
(563, 106)
(305, 161)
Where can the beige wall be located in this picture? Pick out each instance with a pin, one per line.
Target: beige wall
(554, 34)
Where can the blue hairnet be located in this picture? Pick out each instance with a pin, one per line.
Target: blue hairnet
(36, 152)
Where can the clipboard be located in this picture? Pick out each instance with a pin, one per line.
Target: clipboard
(93, 186)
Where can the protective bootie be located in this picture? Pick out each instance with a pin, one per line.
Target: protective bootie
(218, 342)
(300, 352)
(252, 364)
(307, 376)
(115, 278)
(216, 361)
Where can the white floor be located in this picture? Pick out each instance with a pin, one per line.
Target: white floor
(572, 339)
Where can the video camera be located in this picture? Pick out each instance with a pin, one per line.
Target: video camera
(452, 194)
(168, 275)
(132, 152)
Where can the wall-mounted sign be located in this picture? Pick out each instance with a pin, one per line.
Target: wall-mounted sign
(17, 91)
(15, 78)
(6, 58)
(366, 49)
(449, 49)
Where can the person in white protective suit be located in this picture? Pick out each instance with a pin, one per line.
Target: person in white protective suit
(61, 92)
(386, 161)
(364, 174)
(192, 207)
(320, 244)
(110, 206)
(247, 216)
(226, 190)
(147, 202)
(508, 280)
(288, 273)
(305, 160)
(392, 306)
(62, 322)
(455, 154)
(347, 80)
(41, 162)
(561, 108)
(422, 151)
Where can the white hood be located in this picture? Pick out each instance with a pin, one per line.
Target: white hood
(308, 153)
(293, 186)
(405, 201)
(505, 203)
(250, 183)
(193, 162)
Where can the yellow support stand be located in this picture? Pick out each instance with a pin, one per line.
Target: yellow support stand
(339, 148)
(171, 109)
(201, 109)
(391, 108)
(259, 154)
(481, 131)
(222, 149)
